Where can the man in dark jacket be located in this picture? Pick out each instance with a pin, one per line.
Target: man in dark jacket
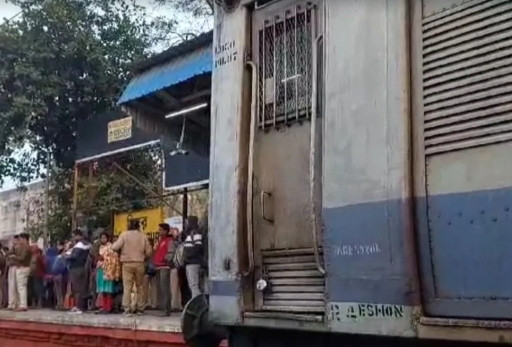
(77, 259)
(193, 254)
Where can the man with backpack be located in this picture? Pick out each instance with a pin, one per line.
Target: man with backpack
(193, 254)
(77, 259)
(59, 271)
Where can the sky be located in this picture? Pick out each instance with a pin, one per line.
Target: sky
(8, 10)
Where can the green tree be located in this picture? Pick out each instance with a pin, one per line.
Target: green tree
(196, 16)
(107, 189)
(198, 8)
(62, 62)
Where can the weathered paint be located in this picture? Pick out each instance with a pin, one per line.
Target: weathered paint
(368, 242)
(226, 167)
(373, 271)
(225, 288)
(470, 239)
(432, 7)
(466, 243)
(367, 318)
(453, 330)
(462, 210)
(367, 193)
(365, 159)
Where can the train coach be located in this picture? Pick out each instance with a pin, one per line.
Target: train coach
(360, 172)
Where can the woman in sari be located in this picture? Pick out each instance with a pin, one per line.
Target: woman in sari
(107, 273)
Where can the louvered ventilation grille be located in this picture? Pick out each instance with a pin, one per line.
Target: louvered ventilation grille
(295, 283)
(467, 76)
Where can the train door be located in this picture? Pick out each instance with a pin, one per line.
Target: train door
(465, 49)
(286, 157)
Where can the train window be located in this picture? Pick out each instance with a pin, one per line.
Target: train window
(285, 68)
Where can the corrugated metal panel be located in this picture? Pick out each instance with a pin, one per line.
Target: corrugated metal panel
(163, 76)
(467, 76)
(467, 82)
(296, 285)
(435, 7)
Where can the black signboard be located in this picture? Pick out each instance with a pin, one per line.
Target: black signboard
(187, 169)
(109, 133)
(115, 132)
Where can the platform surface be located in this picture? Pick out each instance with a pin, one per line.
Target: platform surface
(149, 322)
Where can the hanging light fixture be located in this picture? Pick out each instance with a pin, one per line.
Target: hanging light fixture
(179, 146)
(186, 110)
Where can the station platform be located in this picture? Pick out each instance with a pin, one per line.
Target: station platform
(47, 328)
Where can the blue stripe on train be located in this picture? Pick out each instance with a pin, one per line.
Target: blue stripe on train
(369, 260)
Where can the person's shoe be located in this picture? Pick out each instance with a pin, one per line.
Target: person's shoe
(21, 310)
(127, 313)
(75, 310)
(140, 312)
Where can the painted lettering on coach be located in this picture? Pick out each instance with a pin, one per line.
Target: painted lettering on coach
(225, 53)
(344, 312)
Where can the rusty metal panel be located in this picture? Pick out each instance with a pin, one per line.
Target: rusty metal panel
(467, 79)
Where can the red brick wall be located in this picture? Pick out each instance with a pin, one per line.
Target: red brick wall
(27, 334)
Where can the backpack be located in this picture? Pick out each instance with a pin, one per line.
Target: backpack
(179, 256)
(59, 266)
(150, 269)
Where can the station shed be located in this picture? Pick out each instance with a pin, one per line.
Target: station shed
(166, 105)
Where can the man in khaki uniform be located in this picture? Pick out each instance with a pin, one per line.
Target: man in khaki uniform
(21, 261)
(134, 248)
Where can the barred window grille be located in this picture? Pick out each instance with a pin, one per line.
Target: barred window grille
(285, 68)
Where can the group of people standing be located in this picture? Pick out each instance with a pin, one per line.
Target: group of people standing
(157, 273)
(129, 273)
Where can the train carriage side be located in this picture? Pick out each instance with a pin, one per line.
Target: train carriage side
(372, 286)
(358, 151)
(463, 119)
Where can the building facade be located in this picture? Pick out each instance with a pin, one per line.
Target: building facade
(20, 208)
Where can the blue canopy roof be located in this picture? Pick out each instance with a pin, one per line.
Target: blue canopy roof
(168, 74)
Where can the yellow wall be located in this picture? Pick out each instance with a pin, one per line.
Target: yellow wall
(149, 220)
